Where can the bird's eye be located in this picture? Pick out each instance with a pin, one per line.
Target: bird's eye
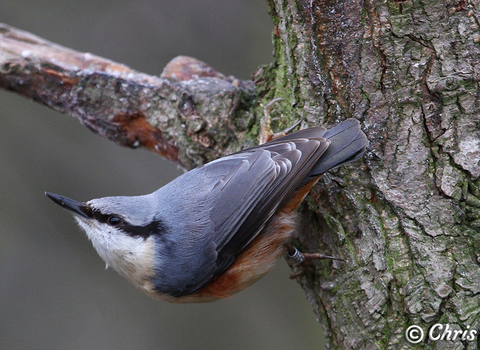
(114, 220)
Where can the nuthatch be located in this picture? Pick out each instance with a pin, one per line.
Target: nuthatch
(220, 227)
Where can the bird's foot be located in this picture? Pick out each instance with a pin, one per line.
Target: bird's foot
(266, 133)
(304, 260)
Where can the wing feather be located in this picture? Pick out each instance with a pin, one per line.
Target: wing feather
(236, 196)
(247, 196)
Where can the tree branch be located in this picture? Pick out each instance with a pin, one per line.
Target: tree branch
(189, 115)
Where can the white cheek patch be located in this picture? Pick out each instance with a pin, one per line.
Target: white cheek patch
(132, 257)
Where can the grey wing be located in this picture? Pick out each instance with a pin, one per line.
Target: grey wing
(234, 198)
(260, 182)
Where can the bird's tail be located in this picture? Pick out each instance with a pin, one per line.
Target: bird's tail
(347, 143)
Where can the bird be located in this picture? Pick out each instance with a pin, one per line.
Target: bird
(218, 228)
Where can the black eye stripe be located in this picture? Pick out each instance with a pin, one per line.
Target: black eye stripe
(156, 227)
(100, 217)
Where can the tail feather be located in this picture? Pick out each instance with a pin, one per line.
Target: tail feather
(347, 143)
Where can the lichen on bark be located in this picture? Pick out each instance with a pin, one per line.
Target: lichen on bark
(406, 224)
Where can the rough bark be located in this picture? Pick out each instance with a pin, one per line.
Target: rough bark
(188, 115)
(405, 221)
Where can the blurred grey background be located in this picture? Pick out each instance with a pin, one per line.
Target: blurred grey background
(55, 291)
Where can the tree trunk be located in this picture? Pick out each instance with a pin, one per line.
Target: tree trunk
(405, 220)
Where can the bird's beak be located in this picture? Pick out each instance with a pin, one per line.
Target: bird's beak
(77, 208)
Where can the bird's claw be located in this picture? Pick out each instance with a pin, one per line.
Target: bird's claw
(304, 260)
(266, 133)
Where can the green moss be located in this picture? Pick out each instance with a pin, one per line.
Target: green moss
(350, 247)
(475, 225)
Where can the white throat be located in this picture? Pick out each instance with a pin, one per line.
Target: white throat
(132, 257)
